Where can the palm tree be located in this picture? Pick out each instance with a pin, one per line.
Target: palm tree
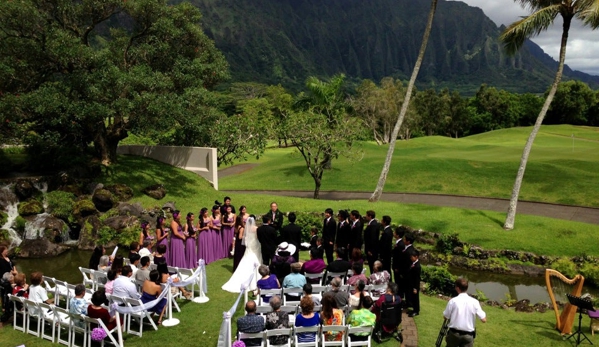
(404, 108)
(544, 13)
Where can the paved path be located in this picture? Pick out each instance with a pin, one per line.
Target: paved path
(567, 212)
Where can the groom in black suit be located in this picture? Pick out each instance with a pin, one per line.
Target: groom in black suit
(267, 236)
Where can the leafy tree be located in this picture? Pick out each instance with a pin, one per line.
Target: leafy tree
(85, 72)
(376, 195)
(458, 119)
(431, 107)
(543, 15)
(571, 103)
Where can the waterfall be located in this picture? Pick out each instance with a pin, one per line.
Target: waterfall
(43, 187)
(13, 212)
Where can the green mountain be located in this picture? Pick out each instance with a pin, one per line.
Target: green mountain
(284, 41)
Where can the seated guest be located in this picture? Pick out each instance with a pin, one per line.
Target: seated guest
(37, 293)
(78, 305)
(356, 256)
(357, 275)
(314, 266)
(267, 281)
(143, 273)
(277, 320)
(123, 287)
(250, 323)
(356, 299)
(308, 293)
(134, 263)
(94, 260)
(150, 291)
(133, 248)
(159, 257)
(146, 250)
(104, 264)
(340, 296)
(21, 288)
(307, 318)
(164, 275)
(281, 262)
(362, 317)
(340, 264)
(331, 315)
(110, 276)
(294, 280)
(95, 310)
(390, 297)
(379, 275)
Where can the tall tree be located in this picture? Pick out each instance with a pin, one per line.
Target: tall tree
(404, 107)
(544, 13)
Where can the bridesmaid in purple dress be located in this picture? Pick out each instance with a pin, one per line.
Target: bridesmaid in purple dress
(191, 253)
(205, 243)
(228, 231)
(177, 242)
(162, 236)
(215, 228)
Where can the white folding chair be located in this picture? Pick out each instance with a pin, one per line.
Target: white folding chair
(92, 323)
(48, 320)
(60, 290)
(307, 330)
(333, 329)
(139, 285)
(287, 299)
(19, 301)
(63, 321)
(376, 290)
(88, 277)
(33, 312)
(260, 335)
(185, 274)
(315, 276)
(355, 330)
(76, 328)
(99, 278)
(268, 293)
(49, 284)
(291, 310)
(278, 332)
(139, 316)
(341, 275)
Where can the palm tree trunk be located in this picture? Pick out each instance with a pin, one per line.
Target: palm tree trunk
(511, 212)
(404, 107)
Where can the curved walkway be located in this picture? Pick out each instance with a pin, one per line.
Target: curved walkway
(566, 212)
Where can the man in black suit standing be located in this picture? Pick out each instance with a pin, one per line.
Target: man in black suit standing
(343, 232)
(267, 236)
(371, 239)
(292, 234)
(402, 262)
(413, 283)
(356, 230)
(329, 232)
(385, 243)
(276, 217)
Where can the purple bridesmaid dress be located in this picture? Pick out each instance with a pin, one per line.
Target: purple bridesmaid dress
(191, 254)
(227, 233)
(178, 251)
(164, 241)
(217, 242)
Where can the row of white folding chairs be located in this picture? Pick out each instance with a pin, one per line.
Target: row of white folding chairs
(62, 289)
(294, 310)
(37, 318)
(344, 275)
(139, 317)
(319, 336)
(373, 289)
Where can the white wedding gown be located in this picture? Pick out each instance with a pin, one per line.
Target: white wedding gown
(246, 274)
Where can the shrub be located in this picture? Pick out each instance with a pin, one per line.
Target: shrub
(439, 280)
(20, 223)
(590, 271)
(105, 235)
(565, 266)
(307, 220)
(31, 207)
(60, 204)
(446, 243)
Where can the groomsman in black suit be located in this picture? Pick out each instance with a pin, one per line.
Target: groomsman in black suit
(329, 233)
(343, 232)
(413, 283)
(403, 262)
(267, 236)
(385, 243)
(276, 216)
(371, 239)
(356, 230)
(292, 234)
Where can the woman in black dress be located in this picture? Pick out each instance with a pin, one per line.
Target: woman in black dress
(239, 245)
(6, 265)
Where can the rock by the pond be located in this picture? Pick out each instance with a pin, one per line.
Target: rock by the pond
(121, 222)
(84, 208)
(71, 188)
(24, 189)
(31, 207)
(169, 206)
(40, 248)
(121, 192)
(156, 191)
(103, 200)
(89, 230)
(44, 225)
(524, 306)
(7, 198)
(126, 209)
(90, 188)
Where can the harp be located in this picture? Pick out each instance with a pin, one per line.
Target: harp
(558, 286)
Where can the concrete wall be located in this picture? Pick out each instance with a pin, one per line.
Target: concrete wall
(200, 160)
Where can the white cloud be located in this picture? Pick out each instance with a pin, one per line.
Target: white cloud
(583, 46)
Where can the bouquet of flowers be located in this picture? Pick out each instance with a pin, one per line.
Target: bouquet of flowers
(98, 334)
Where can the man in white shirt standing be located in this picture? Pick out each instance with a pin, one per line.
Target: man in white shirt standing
(461, 312)
(123, 287)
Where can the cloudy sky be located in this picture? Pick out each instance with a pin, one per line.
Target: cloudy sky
(582, 52)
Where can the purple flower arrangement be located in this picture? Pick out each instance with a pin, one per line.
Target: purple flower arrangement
(98, 334)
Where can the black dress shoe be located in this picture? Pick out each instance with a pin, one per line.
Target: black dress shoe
(413, 314)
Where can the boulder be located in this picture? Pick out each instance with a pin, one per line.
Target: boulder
(84, 208)
(169, 206)
(89, 231)
(126, 209)
(92, 187)
(523, 306)
(121, 222)
(121, 192)
(24, 189)
(31, 207)
(75, 189)
(40, 248)
(156, 191)
(44, 225)
(103, 200)
(7, 198)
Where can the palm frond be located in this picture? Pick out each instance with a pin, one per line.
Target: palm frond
(535, 5)
(514, 36)
(588, 12)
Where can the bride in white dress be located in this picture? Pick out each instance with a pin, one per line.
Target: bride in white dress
(252, 258)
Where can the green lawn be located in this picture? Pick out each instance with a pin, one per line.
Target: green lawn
(479, 165)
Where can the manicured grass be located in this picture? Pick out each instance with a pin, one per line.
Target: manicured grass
(479, 165)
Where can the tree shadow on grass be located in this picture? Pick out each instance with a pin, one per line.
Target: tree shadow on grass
(543, 328)
(491, 218)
